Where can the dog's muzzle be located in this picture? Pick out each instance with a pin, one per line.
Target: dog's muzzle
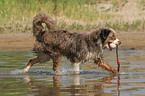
(112, 45)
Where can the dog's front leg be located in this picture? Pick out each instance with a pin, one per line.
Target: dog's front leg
(105, 66)
(75, 68)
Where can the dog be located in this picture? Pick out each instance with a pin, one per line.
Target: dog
(77, 47)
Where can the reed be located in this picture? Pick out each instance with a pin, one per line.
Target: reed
(17, 15)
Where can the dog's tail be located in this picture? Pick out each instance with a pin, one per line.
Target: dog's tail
(37, 23)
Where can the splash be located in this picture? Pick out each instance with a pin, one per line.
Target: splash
(17, 71)
(122, 73)
(65, 71)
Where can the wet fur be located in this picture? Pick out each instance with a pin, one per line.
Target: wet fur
(77, 47)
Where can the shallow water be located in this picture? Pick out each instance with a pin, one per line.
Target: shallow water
(92, 81)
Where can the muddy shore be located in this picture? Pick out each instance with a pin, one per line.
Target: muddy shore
(25, 41)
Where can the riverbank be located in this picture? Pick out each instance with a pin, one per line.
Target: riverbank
(16, 42)
(25, 41)
(16, 30)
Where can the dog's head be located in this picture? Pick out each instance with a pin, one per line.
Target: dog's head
(108, 37)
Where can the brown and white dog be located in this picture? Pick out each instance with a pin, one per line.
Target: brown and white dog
(77, 47)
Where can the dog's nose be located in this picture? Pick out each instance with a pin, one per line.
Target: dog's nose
(119, 42)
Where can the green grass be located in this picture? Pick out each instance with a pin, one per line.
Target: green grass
(17, 15)
(142, 4)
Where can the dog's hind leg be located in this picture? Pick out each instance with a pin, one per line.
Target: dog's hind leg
(31, 63)
(42, 57)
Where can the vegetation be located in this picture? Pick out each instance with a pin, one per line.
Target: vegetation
(17, 15)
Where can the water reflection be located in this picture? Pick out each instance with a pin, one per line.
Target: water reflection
(39, 81)
(72, 85)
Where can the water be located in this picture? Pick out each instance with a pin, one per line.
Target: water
(40, 80)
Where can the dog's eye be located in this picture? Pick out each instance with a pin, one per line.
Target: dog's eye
(113, 37)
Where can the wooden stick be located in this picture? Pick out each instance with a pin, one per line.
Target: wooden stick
(118, 69)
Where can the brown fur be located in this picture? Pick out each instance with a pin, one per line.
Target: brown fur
(77, 47)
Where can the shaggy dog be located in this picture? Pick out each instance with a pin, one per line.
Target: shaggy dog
(77, 47)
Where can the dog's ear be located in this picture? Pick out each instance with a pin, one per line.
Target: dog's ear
(104, 33)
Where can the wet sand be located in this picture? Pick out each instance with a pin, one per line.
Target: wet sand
(16, 42)
(25, 41)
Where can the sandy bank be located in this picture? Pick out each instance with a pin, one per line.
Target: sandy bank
(25, 41)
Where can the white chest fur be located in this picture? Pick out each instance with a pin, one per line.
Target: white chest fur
(90, 56)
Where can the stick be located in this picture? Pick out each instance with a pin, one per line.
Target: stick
(118, 69)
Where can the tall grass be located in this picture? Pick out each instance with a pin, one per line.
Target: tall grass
(17, 15)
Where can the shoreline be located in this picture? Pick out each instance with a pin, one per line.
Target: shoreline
(25, 41)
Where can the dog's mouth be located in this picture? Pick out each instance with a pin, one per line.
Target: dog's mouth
(112, 45)
(108, 46)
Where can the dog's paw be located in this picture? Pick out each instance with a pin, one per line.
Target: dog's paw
(75, 72)
(55, 73)
(25, 70)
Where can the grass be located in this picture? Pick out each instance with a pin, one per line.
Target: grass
(142, 4)
(17, 15)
